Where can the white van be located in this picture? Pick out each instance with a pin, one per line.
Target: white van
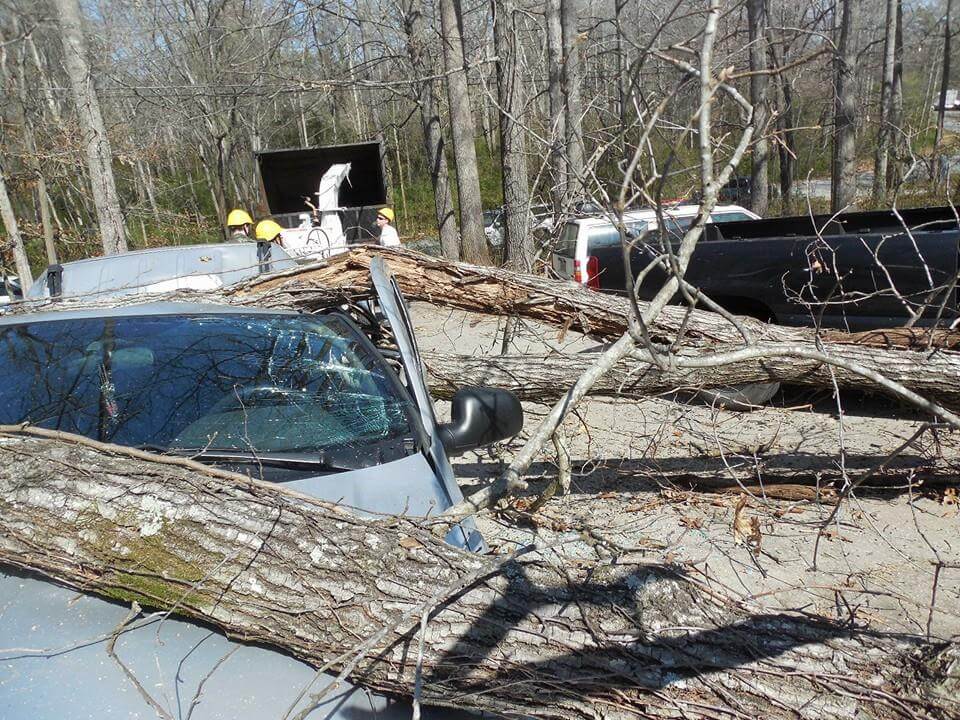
(574, 259)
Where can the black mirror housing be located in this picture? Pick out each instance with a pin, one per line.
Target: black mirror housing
(481, 416)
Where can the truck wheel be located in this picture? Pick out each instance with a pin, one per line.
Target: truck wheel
(746, 397)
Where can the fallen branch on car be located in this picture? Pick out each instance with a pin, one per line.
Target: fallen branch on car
(537, 633)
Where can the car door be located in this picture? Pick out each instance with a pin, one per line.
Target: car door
(394, 309)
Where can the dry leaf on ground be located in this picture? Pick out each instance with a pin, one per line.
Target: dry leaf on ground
(746, 530)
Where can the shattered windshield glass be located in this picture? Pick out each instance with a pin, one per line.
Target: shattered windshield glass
(249, 383)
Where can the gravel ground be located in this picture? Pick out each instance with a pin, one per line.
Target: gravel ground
(884, 561)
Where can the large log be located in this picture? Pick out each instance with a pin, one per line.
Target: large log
(546, 378)
(537, 634)
(919, 360)
(922, 361)
(565, 305)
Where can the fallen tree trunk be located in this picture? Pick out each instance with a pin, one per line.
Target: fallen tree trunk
(545, 378)
(536, 634)
(901, 355)
(565, 305)
(898, 354)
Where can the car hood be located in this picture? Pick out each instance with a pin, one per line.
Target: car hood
(54, 664)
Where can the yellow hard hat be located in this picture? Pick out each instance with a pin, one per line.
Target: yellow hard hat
(268, 230)
(387, 213)
(236, 218)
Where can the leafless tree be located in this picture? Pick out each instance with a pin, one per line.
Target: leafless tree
(111, 225)
(518, 243)
(473, 242)
(844, 176)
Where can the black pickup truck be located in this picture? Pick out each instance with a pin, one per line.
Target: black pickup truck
(855, 271)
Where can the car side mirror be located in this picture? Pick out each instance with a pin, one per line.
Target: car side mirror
(480, 416)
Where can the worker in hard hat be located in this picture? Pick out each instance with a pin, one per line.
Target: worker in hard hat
(240, 225)
(271, 231)
(388, 233)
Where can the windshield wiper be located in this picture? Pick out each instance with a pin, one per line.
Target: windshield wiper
(294, 461)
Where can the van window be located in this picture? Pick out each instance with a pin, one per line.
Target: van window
(567, 244)
(732, 216)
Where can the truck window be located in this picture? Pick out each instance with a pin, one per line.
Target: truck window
(676, 227)
(732, 216)
(609, 237)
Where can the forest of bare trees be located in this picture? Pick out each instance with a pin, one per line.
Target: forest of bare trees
(135, 123)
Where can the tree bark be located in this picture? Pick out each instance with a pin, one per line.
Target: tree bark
(759, 84)
(518, 242)
(99, 155)
(558, 132)
(944, 86)
(432, 131)
(545, 378)
(844, 173)
(474, 243)
(536, 633)
(573, 105)
(885, 127)
(899, 143)
(14, 239)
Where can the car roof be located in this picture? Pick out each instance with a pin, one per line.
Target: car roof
(157, 308)
(650, 213)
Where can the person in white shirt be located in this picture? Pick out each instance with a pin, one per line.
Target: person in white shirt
(388, 233)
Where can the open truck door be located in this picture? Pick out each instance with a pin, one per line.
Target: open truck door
(326, 198)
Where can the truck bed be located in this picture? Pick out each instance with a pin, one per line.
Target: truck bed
(855, 271)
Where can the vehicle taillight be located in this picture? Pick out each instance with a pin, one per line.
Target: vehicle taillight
(593, 273)
(589, 277)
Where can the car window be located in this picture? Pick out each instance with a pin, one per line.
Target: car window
(729, 216)
(242, 382)
(567, 244)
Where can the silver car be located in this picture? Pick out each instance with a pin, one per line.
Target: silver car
(306, 401)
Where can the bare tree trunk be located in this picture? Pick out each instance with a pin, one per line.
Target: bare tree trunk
(759, 84)
(885, 127)
(45, 84)
(558, 125)
(786, 148)
(146, 185)
(899, 143)
(474, 243)
(573, 105)
(944, 85)
(99, 156)
(14, 239)
(844, 173)
(434, 143)
(518, 242)
(43, 197)
(49, 237)
(499, 632)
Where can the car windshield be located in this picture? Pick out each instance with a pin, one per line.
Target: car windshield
(248, 383)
